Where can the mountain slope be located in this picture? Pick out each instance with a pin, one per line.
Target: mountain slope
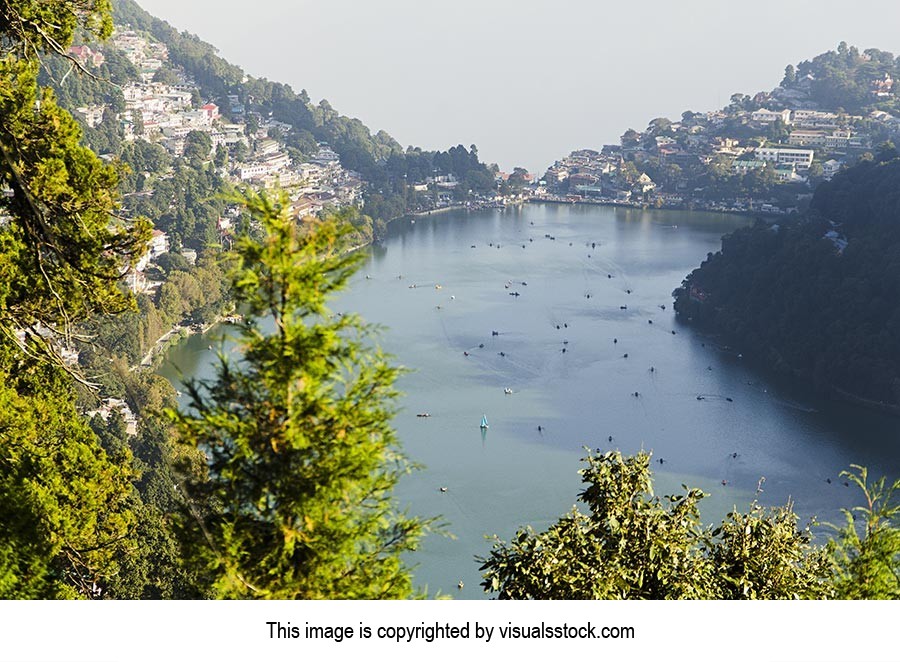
(378, 157)
(817, 296)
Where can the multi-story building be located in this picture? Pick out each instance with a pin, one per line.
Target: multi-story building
(801, 158)
(765, 116)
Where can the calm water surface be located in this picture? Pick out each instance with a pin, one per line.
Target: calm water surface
(597, 288)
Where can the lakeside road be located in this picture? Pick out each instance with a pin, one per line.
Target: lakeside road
(180, 330)
(755, 213)
(430, 212)
(147, 361)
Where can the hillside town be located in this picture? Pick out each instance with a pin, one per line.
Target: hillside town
(760, 154)
(166, 114)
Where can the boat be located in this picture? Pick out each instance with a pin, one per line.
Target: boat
(507, 391)
(484, 423)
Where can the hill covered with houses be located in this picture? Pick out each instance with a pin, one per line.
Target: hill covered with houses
(184, 129)
(159, 86)
(766, 152)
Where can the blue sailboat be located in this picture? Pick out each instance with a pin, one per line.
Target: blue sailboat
(484, 423)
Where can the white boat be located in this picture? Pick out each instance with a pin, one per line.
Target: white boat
(484, 423)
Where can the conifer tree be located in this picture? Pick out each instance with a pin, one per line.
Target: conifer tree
(296, 502)
(62, 251)
(64, 503)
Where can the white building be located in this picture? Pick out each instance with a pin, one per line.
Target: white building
(92, 115)
(765, 116)
(813, 118)
(807, 137)
(273, 164)
(158, 244)
(831, 167)
(115, 404)
(801, 158)
(267, 146)
(837, 139)
(326, 155)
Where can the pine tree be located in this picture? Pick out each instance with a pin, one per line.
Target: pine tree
(296, 502)
(64, 502)
(61, 250)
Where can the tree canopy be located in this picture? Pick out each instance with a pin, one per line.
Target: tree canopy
(818, 296)
(296, 499)
(634, 545)
(630, 544)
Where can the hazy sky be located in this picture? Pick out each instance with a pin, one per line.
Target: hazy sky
(526, 81)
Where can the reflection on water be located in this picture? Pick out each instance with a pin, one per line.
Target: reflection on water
(569, 308)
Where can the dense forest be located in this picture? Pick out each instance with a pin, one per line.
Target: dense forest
(816, 296)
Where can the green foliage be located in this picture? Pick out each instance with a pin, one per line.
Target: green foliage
(64, 505)
(843, 78)
(633, 545)
(184, 196)
(197, 146)
(66, 252)
(790, 76)
(792, 298)
(868, 565)
(297, 501)
(762, 555)
(102, 86)
(32, 26)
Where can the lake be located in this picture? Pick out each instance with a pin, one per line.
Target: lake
(546, 301)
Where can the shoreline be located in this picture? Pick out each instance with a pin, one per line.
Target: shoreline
(176, 333)
(830, 392)
(159, 345)
(755, 213)
(429, 212)
(876, 405)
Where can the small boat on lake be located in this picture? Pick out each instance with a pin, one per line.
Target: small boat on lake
(484, 423)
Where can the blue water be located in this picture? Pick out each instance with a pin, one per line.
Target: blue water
(596, 289)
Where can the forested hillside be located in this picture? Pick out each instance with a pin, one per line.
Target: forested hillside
(817, 296)
(847, 79)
